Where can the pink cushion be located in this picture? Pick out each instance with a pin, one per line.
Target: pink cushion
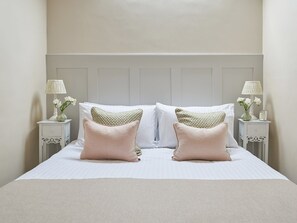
(201, 144)
(105, 142)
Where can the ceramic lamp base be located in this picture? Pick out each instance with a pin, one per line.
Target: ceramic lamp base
(53, 118)
(55, 115)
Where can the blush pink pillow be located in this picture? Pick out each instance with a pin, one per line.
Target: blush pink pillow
(200, 143)
(105, 142)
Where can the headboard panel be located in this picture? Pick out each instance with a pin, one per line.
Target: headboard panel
(130, 79)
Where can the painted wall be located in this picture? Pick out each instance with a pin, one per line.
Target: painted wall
(280, 78)
(133, 26)
(22, 78)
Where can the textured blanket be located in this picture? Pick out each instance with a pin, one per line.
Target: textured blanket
(153, 201)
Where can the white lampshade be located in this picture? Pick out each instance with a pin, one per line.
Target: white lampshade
(55, 87)
(252, 88)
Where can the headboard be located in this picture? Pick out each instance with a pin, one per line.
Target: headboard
(174, 79)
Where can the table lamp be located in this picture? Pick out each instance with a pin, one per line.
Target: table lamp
(55, 87)
(252, 88)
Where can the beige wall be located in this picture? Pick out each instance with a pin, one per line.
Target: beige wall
(280, 78)
(133, 26)
(22, 78)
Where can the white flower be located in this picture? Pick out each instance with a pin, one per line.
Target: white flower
(257, 101)
(68, 98)
(73, 102)
(68, 101)
(248, 101)
(56, 101)
(240, 99)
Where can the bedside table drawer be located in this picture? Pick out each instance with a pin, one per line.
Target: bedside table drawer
(51, 130)
(256, 130)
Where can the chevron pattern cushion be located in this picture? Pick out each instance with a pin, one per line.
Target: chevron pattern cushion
(200, 120)
(116, 119)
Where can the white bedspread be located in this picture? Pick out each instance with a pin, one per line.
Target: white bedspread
(154, 164)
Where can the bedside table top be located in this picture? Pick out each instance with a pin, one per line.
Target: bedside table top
(254, 121)
(53, 122)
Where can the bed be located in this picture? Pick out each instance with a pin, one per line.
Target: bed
(155, 189)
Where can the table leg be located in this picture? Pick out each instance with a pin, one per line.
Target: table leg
(266, 151)
(44, 152)
(244, 143)
(62, 143)
(41, 144)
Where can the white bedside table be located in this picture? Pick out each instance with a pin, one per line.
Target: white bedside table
(254, 131)
(52, 132)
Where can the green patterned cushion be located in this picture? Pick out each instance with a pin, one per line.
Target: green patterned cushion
(117, 118)
(200, 120)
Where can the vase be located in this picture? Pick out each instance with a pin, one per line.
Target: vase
(246, 116)
(61, 117)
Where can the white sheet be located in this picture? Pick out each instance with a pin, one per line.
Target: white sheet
(154, 164)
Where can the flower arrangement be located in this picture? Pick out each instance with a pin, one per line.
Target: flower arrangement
(246, 103)
(62, 106)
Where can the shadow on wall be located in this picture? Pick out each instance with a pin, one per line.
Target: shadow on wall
(273, 139)
(32, 144)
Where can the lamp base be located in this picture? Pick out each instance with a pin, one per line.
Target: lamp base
(55, 115)
(53, 118)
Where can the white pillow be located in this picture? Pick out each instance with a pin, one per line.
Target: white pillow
(166, 119)
(147, 127)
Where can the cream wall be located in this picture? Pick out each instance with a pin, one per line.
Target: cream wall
(22, 78)
(133, 26)
(115, 26)
(280, 78)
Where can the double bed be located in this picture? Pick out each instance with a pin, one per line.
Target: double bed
(157, 188)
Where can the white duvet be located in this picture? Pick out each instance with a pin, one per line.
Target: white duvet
(154, 164)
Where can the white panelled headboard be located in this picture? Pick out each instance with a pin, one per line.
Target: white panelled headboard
(129, 79)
